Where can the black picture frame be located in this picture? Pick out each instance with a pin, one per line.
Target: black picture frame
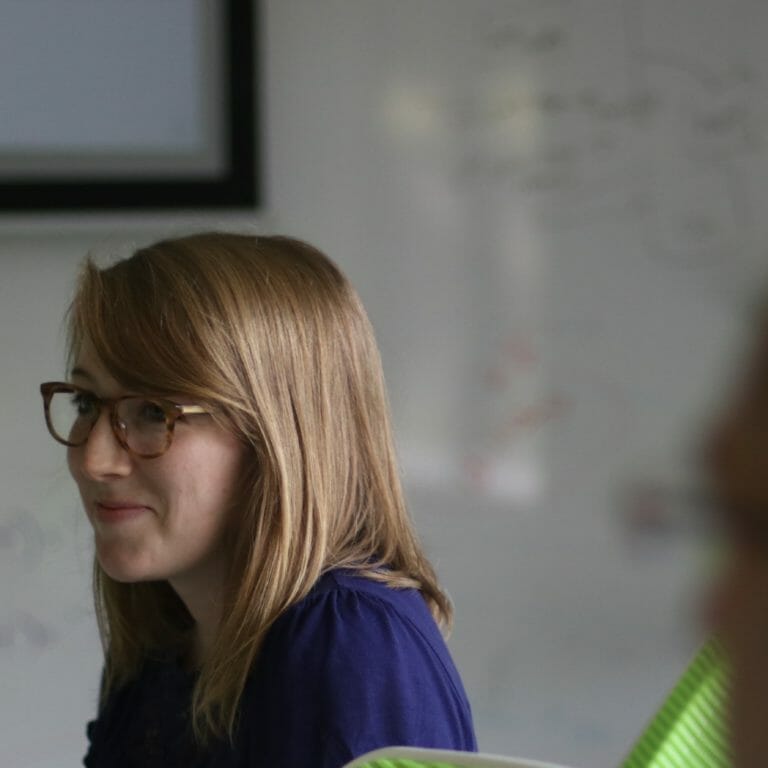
(237, 187)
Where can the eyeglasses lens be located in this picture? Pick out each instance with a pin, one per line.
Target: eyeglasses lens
(71, 415)
(143, 425)
(142, 422)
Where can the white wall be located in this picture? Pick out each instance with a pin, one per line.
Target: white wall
(552, 210)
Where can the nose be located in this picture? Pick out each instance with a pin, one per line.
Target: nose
(102, 457)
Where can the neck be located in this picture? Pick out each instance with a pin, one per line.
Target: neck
(202, 593)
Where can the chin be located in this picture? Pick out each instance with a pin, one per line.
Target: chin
(124, 566)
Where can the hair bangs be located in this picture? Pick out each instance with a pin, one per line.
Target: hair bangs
(140, 329)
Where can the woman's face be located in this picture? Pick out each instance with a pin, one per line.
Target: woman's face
(165, 518)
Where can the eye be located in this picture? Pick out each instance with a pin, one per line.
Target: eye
(150, 412)
(84, 403)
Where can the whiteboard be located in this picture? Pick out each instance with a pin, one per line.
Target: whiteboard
(553, 212)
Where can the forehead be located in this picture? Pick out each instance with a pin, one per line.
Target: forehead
(87, 368)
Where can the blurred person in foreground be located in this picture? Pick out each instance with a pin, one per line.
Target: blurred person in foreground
(738, 464)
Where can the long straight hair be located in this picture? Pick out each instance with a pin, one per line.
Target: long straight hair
(270, 334)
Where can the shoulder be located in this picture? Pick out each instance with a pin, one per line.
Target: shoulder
(353, 641)
(343, 585)
(358, 665)
(351, 610)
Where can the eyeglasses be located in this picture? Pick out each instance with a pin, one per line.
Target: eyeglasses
(143, 426)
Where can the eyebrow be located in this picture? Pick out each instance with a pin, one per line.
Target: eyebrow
(77, 371)
(83, 373)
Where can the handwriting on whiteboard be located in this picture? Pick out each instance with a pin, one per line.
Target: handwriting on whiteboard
(667, 137)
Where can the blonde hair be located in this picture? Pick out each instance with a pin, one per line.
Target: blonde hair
(270, 334)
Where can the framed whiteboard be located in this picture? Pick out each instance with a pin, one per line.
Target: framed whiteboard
(140, 104)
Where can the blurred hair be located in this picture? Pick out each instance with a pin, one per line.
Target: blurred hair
(270, 334)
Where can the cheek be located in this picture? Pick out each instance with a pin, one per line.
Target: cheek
(207, 489)
(739, 461)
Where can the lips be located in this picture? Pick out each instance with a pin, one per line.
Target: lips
(118, 511)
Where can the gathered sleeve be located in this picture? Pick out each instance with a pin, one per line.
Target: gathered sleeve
(348, 671)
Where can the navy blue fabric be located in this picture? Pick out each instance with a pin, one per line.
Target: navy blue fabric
(353, 667)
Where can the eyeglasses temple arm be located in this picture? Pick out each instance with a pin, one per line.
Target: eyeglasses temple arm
(185, 409)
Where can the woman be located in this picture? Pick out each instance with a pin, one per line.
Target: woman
(261, 594)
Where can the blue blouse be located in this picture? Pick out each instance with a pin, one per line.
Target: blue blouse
(352, 667)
